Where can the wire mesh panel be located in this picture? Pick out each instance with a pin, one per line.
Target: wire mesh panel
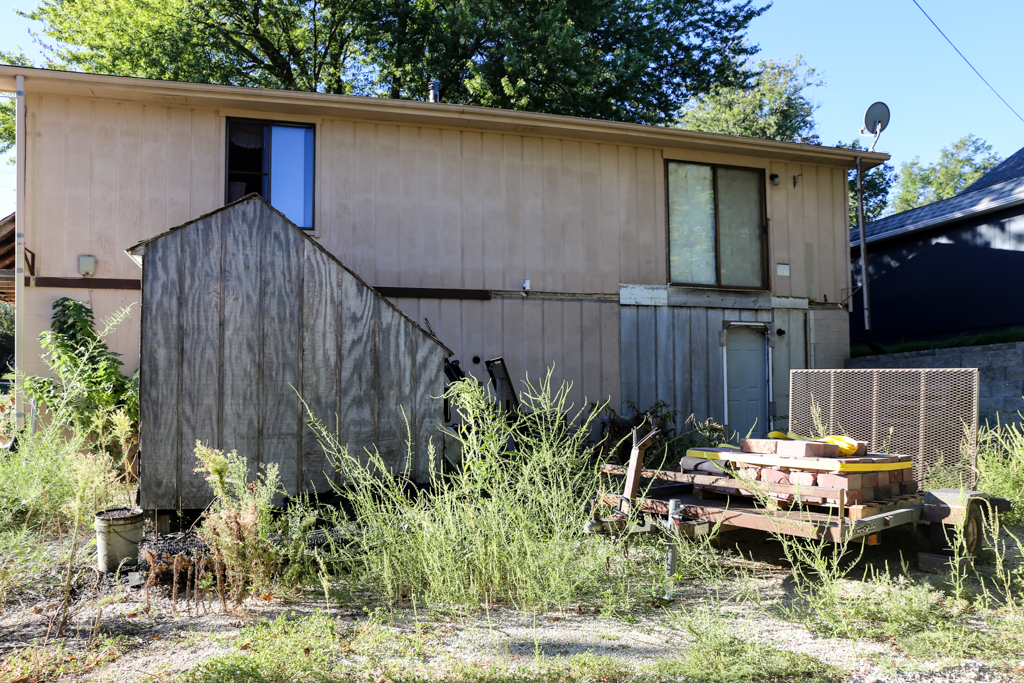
(931, 414)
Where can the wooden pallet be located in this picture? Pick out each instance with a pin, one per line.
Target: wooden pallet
(709, 486)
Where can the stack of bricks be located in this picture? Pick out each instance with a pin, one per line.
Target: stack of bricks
(814, 466)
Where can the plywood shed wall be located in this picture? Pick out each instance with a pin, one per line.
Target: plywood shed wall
(241, 313)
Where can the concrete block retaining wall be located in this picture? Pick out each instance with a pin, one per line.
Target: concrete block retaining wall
(1000, 370)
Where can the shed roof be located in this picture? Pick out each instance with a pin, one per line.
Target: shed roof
(1000, 188)
(137, 253)
(228, 97)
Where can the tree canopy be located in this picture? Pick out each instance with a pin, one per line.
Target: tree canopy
(875, 186)
(958, 166)
(626, 60)
(776, 107)
(7, 102)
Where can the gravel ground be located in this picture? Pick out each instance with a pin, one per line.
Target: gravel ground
(166, 642)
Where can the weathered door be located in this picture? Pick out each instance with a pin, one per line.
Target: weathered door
(747, 380)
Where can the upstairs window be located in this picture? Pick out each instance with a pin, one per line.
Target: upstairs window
(274, 160)
(716, 226)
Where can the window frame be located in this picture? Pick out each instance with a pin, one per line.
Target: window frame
(718, 241)
(312, 229)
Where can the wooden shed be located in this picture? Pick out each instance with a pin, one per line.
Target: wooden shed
(243, 313)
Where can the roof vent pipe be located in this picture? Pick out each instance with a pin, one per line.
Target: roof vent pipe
(435, 91)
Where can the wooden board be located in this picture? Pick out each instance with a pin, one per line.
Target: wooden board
(321, 363)
(816, 464)
(241, 337)
(200, 358)
(280, 372)
(160, 379)
(243, 314)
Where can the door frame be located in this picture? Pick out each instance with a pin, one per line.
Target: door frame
(769, 344)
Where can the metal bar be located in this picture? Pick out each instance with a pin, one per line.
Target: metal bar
(20, 223)
(874, 411)
(886, 520)
(435, 293)
(863, 248)
(84, 283)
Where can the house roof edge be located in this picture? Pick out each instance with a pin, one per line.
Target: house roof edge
(422, 113)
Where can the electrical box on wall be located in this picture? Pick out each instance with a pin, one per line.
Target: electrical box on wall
(86, 265)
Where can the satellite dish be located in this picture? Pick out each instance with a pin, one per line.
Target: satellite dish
(876, 118)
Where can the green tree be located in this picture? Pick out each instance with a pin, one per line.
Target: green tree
(287, 44)
(958, 166)
(776, 107)
(876, 186)
(7, 121)
(627, 60)
(624, 60)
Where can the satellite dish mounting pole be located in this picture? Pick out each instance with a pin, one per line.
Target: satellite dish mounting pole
(863, 250)
(876, 118)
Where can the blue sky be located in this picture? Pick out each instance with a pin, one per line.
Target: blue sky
(866, 51)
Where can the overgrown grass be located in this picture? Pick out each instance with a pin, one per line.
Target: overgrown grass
(506, 528)
(47, 663)
(320, 649)
(720, 651)
(1001, 337)
(1001, 466)
(62, 472)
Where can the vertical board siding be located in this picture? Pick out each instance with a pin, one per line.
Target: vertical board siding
(160, 376)
(200, 315)
(356, 420)
(240, 337)
(321, 364)
(409, 205)
(280, 335)
(421, 207)
(808, 230)
(674, 354)
(243, 314)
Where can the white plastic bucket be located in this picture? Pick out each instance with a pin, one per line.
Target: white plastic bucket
(118, 534)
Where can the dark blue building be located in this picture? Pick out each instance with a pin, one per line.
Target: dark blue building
(955, 267)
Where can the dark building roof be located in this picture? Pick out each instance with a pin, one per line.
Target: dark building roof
(1000, 188)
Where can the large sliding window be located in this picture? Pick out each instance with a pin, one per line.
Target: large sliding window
(274, 160)
(716, 226)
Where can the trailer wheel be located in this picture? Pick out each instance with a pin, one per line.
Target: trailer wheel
(942, 536)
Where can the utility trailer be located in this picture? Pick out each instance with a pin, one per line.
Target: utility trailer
(863, 495)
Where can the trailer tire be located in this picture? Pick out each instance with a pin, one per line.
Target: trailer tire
(942, 536)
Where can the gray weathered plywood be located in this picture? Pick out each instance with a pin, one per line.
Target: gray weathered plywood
(321, 363)
(240, 284)
(356, 421)
(427, 407)
(392, 390)
(718, 298)
(200, 357)
(665, 356)
(243, 314)
(630, 342)
(160, 378)
(280, 334)
(699, 354)
(647, 358)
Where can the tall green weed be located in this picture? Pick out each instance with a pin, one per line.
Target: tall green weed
(253, 548)
(507, 527)
(1001, 466)
(62, 471)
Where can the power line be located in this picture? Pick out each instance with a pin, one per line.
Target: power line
(968, 61)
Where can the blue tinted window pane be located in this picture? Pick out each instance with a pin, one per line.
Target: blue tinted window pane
(291, 173)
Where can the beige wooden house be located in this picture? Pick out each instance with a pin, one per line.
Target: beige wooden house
(644, 263)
